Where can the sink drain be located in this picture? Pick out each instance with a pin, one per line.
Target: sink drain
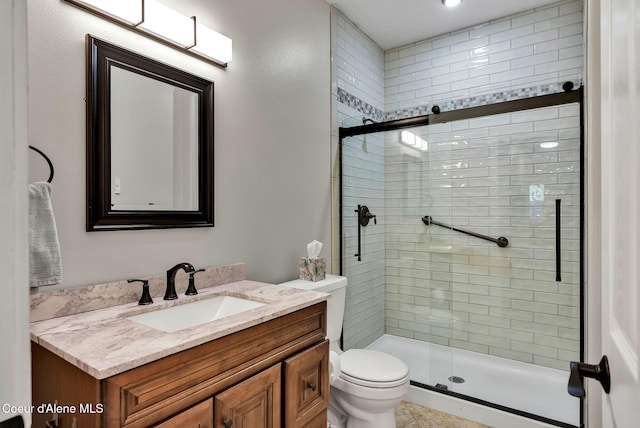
(456, 379)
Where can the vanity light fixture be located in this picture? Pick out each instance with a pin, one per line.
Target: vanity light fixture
(451, 3)
(161, 23)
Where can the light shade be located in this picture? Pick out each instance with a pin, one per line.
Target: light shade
(164, 24)
(212, 44)
(451, 3)
(167, 23)
(129, 11)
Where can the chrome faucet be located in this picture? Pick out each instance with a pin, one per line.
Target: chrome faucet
(170, 293)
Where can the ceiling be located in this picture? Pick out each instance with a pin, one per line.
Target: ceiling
(393, 23)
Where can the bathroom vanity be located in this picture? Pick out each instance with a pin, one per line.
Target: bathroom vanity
(265, 367)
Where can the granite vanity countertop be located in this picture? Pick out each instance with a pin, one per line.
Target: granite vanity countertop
(104, 342)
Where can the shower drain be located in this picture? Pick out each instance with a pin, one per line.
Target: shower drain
(456, 379)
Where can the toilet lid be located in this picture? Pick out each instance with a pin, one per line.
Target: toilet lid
(372, 366)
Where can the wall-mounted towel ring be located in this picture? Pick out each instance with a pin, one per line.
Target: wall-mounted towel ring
(48, 161)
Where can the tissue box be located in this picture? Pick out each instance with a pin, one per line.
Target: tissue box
(313, 269)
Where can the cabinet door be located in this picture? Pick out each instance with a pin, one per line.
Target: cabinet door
(198, 416)
(320, 421)
(253, 403)
(307, 386)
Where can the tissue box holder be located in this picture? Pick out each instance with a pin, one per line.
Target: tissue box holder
(313, 269)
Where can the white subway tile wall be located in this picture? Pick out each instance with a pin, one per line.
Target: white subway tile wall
(490, 62)
(490, 175)
(498, 176)
(363, 157)
(358, 77)
(358, 63)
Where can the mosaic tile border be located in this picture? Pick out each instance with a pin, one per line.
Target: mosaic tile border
(378, 115)
(363, 107)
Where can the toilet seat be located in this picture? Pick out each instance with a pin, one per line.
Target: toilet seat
(369, 384)
(372, 369)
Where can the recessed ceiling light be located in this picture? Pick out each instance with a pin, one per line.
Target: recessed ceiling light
(451, 3)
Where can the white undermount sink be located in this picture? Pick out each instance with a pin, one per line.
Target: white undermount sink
(187, 315)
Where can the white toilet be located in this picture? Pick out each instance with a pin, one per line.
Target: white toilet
(366, 385)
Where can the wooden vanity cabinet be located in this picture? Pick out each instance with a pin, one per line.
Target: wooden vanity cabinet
(274, 374)
(198, 416)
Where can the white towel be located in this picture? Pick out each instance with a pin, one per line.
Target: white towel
(45, 263)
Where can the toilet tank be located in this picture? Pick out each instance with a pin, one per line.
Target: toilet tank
(337, 287)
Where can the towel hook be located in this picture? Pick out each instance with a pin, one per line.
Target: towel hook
(50, 179)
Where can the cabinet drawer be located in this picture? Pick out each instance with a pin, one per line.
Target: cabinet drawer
(307, 385)
(198, 416)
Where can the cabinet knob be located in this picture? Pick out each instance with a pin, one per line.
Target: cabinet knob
(313, 386)
(228, 423)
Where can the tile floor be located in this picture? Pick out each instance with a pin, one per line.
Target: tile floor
(410, 415)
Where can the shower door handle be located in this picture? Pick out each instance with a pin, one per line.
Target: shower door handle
(579, 371)
(558, 239)
(359, 253)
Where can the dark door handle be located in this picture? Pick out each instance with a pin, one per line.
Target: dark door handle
(228, 423)
(579, 371)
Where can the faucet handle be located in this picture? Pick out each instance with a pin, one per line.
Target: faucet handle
(191, 289)
(145, 299)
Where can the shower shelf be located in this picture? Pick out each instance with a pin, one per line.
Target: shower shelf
(501, 241)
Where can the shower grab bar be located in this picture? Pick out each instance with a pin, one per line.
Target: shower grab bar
(558, 233)
(501, 241)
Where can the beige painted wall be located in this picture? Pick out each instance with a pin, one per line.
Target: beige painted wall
(272, 139)
(15, 370)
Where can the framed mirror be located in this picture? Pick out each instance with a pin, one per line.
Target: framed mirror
(149, 143)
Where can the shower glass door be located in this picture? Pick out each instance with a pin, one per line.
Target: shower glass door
(363, 247)
(420, 187)
(492, 321)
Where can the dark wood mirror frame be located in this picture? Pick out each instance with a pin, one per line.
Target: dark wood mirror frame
(100, 57)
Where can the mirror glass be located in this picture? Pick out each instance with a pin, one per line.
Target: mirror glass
(149, 145)
(152, 123)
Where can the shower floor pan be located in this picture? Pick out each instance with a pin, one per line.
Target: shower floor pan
(523, 387)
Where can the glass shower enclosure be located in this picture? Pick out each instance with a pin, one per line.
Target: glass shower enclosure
(461, 237)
